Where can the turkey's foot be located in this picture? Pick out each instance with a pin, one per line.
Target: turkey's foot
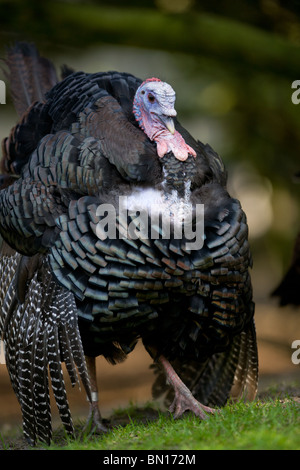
(94, 423)
(184, 400)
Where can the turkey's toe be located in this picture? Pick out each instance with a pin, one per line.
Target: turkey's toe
(183, 402)
(94, 422)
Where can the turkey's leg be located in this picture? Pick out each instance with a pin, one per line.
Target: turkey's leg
(94, 421)
(184, 399)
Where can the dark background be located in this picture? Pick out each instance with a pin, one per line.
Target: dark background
(232, 65)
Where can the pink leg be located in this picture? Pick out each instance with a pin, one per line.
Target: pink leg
(184, 399)
(94, 420)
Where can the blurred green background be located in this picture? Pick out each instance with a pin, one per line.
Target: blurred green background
(232, 65)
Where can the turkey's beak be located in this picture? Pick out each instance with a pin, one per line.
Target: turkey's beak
(168, 122)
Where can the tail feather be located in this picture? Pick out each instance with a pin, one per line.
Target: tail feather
(38, 334)
(9, 260)
(41, 398)
(30, 75)
(246, 369)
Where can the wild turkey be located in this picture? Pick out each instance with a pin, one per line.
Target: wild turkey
(288, 289)
(69, 290)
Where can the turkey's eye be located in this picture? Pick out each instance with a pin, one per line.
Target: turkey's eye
(151, 98)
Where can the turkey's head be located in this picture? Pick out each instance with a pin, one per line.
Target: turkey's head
(154, 110)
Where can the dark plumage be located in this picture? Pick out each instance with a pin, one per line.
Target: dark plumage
(67, 291)
(288, 289)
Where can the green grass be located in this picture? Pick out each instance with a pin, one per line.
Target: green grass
(268, 425)
(271, 422)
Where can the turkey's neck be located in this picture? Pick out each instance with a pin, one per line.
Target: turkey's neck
(165, 140)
